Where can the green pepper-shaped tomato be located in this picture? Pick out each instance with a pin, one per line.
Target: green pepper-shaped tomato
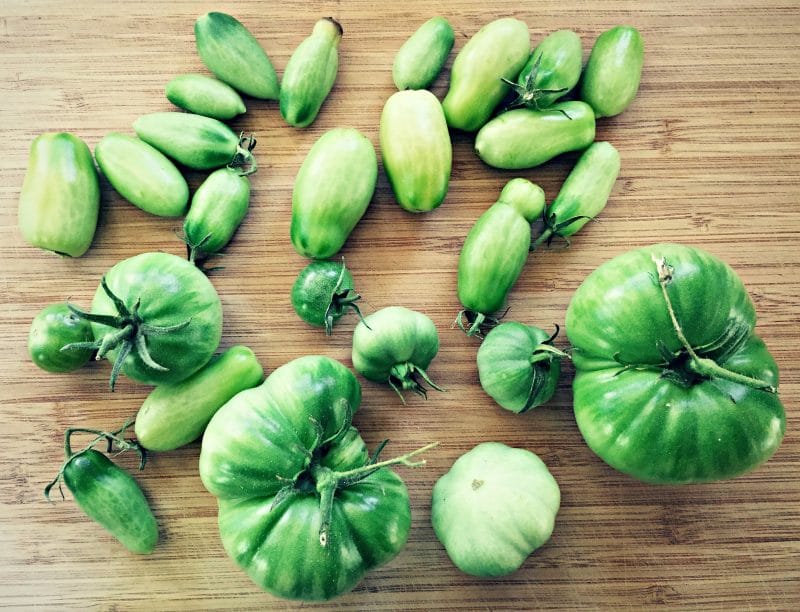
(175, 415)
(612, 74)
(671, 384)
(584, 193)
(204, 95)
(552, 71)
(332, 191)
(310, 74)
(525, 138)
(142, 175)
(421, 58)
(494, 253)
(498, 51)
(518, 366)
(396, 345)
(323, 292)
(494, 507)
(416, 150)
(302, 507)
(53, 328)
(230, 51)
(60, 197)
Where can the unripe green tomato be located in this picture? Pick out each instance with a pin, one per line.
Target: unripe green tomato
(52, 328)
(421, 58)
(612, 74)
(204, 96)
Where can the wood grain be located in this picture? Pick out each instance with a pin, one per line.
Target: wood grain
(709, 158)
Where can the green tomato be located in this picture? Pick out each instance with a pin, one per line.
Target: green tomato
(52, 328)
(416, 150)
(396, 345)
(494, 507)
(218, 208)
(142, 175)
(323, 292)
(518, 366)
(525, 138)
(111, 497)
(612, 74)
(302, 507)
(60, 197)
(175, 415)
(494, 253)
(498, 51)
(204, 95)
(310, 74)
(332, 192)
(422, 57)
(230, 51)
(671, 384)
(552, 71)
(156, 317)
(201, 143)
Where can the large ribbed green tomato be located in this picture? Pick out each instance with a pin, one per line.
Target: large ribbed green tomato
(671, 383)
(302, 509)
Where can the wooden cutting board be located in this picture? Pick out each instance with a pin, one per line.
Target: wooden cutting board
(709, 158)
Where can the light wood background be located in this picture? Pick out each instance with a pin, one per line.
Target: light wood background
(709, 158)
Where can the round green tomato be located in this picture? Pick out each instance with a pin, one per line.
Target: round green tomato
(494, 507)
(275, 457)
(395, 345)
(323, 292)
(671, 384)
(53, 328)
(518, 366)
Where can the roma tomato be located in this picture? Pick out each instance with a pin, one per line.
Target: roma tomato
(323, 292)
(421, 58)
(310, 74)
(232, 53)
(518, 366)
(494, 507)
(156, 317)
(416, 150)
(332, 191)
(142, 175)
(525, 138)
(671, 384)
(60, 197)
(612, 74)
(498, 51)
(52, 329)
(204, 95)
(395, 345)
(303, 509)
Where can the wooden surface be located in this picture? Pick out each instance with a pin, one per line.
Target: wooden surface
(709, 158)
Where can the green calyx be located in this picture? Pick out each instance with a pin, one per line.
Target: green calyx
(129, 334)
(341, 301)
(406, 376)
(476, 323)
(528, 94)
(541, 360)
(554, 229)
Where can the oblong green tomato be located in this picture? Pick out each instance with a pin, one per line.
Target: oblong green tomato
(195, 141)
(498, 51)
(323, 292)
(332, 191)
(494, 507)
(612, 74)
(171, 314)
(518, 366)
(60, 197)
(232, 53)
(525, 138)
(416, 150)
(111, 497)
(664, 406)
(552, 71)
(585, 191)
(421, 58)
(395, 345)
(310, 74)
(218, 208)
(204, 95)
(272, 456)
(142, 175)
(52, 328)
(175, 415)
